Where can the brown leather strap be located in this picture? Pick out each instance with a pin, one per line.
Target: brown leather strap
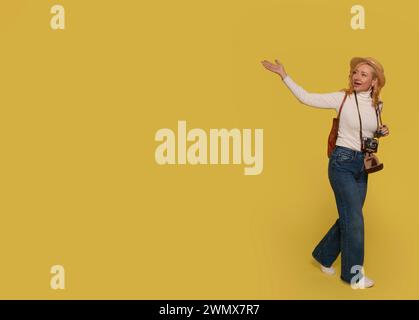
(360, 122)
(340, 109)
(377, 112)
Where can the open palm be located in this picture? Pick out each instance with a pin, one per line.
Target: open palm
(276, 67)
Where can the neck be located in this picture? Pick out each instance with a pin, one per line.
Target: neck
(365, 93)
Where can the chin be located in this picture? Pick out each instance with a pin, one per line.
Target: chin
(357, 89)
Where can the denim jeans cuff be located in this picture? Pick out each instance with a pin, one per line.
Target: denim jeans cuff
(316, 257)
(345, 280)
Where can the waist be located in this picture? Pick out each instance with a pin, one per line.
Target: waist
(355, 153)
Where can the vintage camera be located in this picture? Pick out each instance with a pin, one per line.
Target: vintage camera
(369, 145)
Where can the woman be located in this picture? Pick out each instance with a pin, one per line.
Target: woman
(346, 168)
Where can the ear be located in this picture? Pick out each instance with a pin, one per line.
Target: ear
(374, 82)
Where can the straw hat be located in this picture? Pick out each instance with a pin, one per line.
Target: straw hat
(379, 70)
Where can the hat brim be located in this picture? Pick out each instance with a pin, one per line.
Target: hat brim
(376, 65)
(357, 60)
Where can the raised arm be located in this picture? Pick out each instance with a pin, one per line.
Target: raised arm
(318, 100)
(330, 100)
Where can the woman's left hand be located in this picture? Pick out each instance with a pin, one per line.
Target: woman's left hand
(384, 129)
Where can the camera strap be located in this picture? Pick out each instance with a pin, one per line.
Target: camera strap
(360, 121)
(371, 162)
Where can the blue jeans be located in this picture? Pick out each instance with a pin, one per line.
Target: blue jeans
(349, 180)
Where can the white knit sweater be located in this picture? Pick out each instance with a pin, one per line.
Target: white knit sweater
(348, 134)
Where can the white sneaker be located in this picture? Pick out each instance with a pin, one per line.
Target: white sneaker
(329, 271)
(363, 283)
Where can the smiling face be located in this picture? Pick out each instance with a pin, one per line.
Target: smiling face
(362, 77)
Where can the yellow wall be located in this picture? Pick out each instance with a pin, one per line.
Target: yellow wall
(79, 185)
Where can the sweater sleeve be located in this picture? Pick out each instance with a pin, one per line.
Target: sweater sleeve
(330, 100)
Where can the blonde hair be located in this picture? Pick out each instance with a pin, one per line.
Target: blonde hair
(375, 93)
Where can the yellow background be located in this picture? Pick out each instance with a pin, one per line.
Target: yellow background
(79, 185)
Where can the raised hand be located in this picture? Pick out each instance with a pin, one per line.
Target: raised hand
(276, 67)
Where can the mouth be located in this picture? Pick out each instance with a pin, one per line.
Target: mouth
(357, 83)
